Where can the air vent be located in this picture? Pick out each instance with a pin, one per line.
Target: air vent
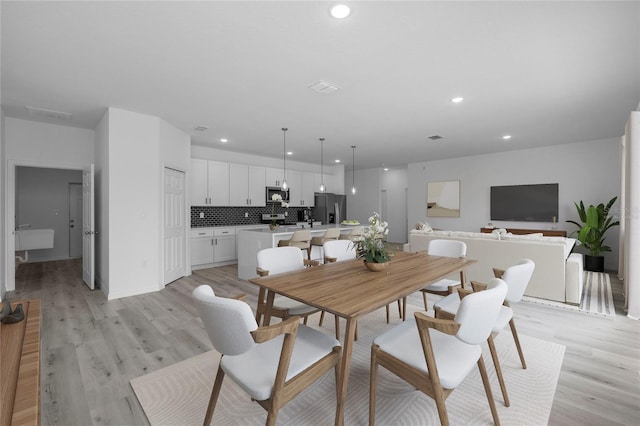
(324, 87)
(200, 128)
(47, 113)
(435, 137)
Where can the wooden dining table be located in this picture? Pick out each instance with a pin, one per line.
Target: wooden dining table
(349, 290)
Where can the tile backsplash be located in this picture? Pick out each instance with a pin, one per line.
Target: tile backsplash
(231, 216)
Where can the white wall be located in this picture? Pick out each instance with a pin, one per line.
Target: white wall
(133, 206)
(587, 171)
(3, 228)
(42, 201)
(48, 145)
(101, 197)
(361, 206)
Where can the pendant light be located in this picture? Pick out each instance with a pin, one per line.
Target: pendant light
(353, 175)
(284, 158)
(322, 187)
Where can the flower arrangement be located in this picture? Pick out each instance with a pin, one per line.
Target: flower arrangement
(277, 198)
(371, 247)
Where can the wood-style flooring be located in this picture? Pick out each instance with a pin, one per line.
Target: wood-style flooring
(92, 347)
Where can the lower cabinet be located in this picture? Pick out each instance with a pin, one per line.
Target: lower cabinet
(224, 243)
(202, 247)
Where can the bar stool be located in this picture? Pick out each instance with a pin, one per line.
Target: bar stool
(300, 239)
(329, 234)
(355, 235)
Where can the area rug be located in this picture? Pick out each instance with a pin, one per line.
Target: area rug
(596, 299)
(178, 394)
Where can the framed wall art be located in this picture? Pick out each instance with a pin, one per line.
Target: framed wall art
(443, 199)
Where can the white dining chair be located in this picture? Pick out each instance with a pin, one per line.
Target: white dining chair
(271, 364)
(435, 355)
(277, 260)
(445, 286)
(517, 278)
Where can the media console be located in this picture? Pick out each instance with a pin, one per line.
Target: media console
(518, 231)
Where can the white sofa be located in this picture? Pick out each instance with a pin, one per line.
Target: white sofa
(551, 279)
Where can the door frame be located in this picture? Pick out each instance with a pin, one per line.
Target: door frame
(187, 223)
(10, 211)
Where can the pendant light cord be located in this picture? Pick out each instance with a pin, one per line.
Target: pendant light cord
(284, 158)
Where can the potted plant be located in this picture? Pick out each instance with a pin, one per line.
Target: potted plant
(371, 247)
(595, 221)
(277, 198)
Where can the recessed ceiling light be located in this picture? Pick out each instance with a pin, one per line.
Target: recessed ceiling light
(224, 140)
(457, 100)
(289, 152)
(340, 11)
(337, 161)
(386, 169)
(506, 137)
(200, 128)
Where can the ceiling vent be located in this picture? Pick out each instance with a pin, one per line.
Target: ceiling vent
(47, 113)
(200, 128)
(435, 137)
(324, 87)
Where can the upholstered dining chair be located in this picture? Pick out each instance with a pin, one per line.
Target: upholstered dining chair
(301, 239)
(517, 278)
(435, 355)
(445, 286)
(277, 260)
(271, 364)
(329, 234)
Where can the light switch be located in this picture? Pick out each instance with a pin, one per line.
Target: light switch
(201, 215)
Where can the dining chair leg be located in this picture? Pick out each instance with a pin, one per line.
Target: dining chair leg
(217, 385)
(404, 309)
(321, 319)
(424, 299)
(487, 390)
(373, 377)
(400, 315)
(260, 305)
(514, 332)
(387, 309)
(337, 326)
(496, 364)
(272, 415)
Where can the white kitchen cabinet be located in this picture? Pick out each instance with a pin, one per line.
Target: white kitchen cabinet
(224, 241)
(202, 248)
(246, 185)
(301, 190)
(273, 176)
(209, 183)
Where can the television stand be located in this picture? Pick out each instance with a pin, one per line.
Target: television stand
(518, 231)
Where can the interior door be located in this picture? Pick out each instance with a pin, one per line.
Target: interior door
(88, 227)
(75, 220)
(174, 225)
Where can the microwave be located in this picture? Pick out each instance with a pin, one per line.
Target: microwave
(271, 190)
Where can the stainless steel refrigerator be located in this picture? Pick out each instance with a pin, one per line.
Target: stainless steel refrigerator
(330, 208)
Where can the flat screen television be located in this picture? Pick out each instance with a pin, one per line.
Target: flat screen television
(525, 203)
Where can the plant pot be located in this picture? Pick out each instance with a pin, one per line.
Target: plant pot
(594, 263)
(274, 226)
(376, 267)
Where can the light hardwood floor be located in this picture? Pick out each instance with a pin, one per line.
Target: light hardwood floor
(92, 347)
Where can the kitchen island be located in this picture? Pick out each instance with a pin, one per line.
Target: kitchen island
(251, 241)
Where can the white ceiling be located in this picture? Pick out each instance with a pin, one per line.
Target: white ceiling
(545, 72)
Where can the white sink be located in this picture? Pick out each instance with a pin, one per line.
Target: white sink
(34, 239)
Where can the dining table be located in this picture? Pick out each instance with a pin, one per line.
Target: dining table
(349, 290)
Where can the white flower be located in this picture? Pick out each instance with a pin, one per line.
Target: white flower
(284, 204)
(276, 197)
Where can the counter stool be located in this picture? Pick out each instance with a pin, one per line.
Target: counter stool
(300, 239)
(329, 234)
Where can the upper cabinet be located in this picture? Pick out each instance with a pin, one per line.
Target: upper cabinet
(273, 176)
(247, 185)
(301, 190)
(209, 183)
